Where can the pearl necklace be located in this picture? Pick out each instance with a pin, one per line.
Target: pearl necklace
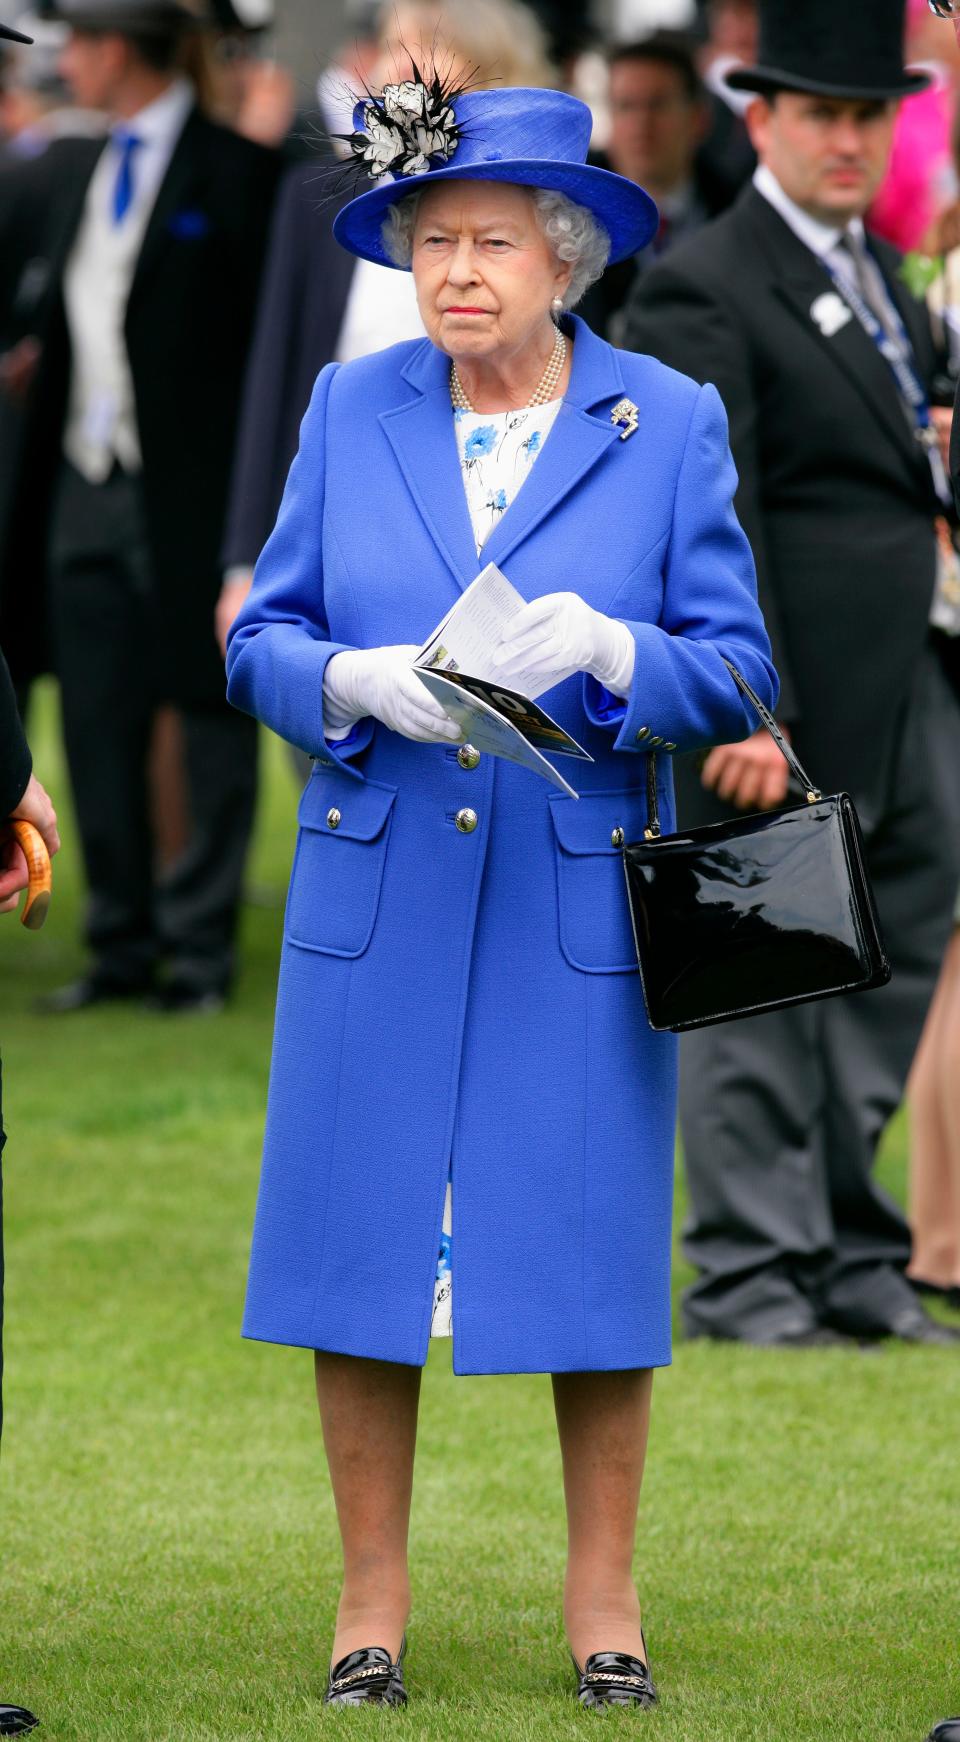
(545, 391)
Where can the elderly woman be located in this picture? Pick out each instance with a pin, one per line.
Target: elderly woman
(462, 1061)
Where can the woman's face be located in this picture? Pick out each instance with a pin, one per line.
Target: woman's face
(484, 271)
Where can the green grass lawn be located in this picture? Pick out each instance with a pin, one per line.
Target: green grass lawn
(167, 1538)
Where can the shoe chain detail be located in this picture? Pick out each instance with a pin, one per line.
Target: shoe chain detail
(603, 1675)
(347, 1681)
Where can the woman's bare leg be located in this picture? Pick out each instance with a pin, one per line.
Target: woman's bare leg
(603, 1420)
(933, 1212)
(368, 1410)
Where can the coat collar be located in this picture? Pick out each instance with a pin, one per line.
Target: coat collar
(422, 436)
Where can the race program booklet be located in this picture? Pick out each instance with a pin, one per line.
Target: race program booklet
(455, 665)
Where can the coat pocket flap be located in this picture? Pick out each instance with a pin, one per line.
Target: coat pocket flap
(348, 809)
(586, 824)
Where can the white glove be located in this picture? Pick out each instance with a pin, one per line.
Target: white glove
(381, 681)
(555, 636)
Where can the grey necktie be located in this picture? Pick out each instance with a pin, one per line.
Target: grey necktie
(869, 282)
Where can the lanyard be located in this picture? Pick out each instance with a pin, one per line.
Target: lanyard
(898, 360)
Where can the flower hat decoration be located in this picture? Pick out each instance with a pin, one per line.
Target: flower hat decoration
(409, 129)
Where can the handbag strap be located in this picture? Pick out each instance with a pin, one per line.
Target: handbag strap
(652, 831)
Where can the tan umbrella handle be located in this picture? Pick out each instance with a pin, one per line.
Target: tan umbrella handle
(40, 871)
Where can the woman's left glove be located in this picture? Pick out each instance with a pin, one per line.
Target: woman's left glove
(555, 636)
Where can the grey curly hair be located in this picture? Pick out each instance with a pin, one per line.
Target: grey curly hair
(573, 233)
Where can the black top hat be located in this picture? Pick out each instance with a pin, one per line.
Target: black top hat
(138, 16)
(8, 35)
(851, 50)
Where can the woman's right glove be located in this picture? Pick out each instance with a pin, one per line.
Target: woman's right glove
(381, 681)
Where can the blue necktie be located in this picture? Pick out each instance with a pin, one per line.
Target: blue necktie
(127, 144)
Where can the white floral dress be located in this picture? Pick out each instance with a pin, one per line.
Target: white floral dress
(497, 452)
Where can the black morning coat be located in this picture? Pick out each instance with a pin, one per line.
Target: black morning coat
(835, 492)
(15, 764)
(303, 300)
(188, 329)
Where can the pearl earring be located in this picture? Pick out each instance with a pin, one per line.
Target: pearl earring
(556, 307)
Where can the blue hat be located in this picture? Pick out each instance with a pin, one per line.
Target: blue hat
(417, 134)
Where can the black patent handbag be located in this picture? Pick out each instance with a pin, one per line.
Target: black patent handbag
(753, 914)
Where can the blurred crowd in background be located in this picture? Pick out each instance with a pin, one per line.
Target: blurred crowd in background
(230, 295)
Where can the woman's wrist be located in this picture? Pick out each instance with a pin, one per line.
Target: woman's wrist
(616, 656)
(342, 707)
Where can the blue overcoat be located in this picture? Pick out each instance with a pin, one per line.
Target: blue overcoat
(471, 1001)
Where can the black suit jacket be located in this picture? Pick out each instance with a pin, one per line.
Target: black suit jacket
(302, 304)
(188, 328)
(15, 764)
(835, 492)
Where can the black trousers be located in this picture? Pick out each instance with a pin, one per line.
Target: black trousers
(104, 617)
(782, 1114)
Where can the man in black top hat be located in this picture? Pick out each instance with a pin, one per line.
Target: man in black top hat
(824, 362)
(142, 298)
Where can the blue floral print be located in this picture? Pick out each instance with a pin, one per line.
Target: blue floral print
(480, 441)
(497, 452)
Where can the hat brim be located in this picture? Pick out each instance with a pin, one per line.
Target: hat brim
(628, 214)
(764, 80)
(8, 35)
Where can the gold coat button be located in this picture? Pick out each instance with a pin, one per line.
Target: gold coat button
(616, 839)
(644, 732)
(468, 757)
(656, 740)
(669, 746)
(466, 821)
(333, 818)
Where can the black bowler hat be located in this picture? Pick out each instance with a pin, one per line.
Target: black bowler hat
(8, 35)
(851, 50)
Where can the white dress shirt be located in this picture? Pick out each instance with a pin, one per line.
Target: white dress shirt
(381, 310)
(101, 425)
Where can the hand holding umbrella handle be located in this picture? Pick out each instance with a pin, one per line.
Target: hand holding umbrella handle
(40, 872)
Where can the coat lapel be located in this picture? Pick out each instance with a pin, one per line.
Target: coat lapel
(799, 279)
(854, 352)
(176, 184)
(422, 436)
(579, 438)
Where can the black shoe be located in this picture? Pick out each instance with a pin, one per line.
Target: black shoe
(176, 998)
(16, 1720)
(948, 1730)
(612, 1678)
(83, 994)
(367, 1678)
(948, 1295)
(817, 1337)
(919, 1327)
(804, 1337)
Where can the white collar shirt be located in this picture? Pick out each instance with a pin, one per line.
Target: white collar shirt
(101, 425)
